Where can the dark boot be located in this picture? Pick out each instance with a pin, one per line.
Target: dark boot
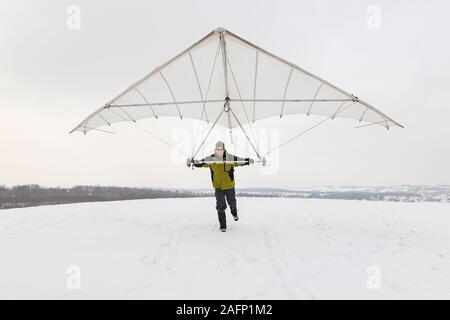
(234, 213)
(222, 220)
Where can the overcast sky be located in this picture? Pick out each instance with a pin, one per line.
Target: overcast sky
(393, 54)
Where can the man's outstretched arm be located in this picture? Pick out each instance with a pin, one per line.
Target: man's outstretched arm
(198, 163)
(242, 161)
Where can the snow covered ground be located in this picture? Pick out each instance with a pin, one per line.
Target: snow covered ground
(280, 248)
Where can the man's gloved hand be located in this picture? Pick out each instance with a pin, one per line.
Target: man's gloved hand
(251, 161)
(189, 161)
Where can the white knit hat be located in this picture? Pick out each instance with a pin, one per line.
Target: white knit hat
(220, 144)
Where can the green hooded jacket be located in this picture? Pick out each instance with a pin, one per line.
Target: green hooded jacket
(222, 174)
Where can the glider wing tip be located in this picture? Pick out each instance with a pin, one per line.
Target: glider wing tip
(74, 129)
(399, 124)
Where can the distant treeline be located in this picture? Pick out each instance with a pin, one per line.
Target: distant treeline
(36, 195)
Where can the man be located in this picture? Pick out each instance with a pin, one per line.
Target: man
(222, 176)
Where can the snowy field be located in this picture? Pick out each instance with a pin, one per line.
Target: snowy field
(279, 249)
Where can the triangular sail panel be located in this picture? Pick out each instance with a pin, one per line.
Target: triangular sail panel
(226, 80)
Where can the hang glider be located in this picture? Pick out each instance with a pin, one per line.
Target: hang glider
(225, 80)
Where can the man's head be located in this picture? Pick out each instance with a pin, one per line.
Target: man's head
(220, 149)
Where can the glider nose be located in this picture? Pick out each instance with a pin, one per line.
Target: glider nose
(219, 30)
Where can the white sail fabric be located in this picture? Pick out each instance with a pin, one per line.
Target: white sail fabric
(223, 67)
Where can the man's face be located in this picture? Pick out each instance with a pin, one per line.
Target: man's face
(219, 152)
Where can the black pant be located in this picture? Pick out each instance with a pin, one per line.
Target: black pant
(221, 204)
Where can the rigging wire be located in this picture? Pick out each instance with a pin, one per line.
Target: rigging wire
(204, 103)
(307, 130)
(150, 133)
